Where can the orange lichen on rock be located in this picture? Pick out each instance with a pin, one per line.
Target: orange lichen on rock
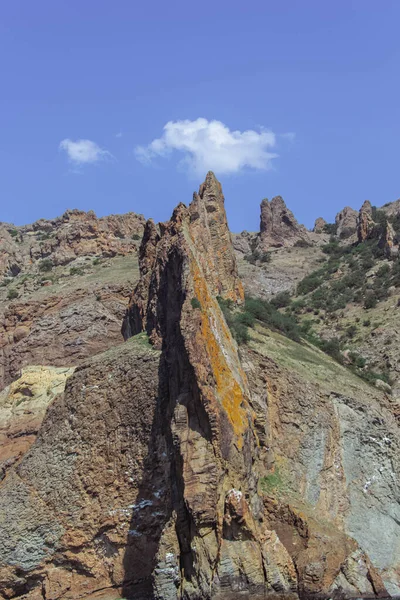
(215, 336)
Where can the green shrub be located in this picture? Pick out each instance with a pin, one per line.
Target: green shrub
(13, 232)
(195, 303)
(46, 265)
(281, 300)
(351, 331)
(264, 311)
(330, 228)
(370, 301)
(12, 294)
(309, 283)
(367, 322)
(302, 244)
(136, 236)
(96, 261)
(76, 271)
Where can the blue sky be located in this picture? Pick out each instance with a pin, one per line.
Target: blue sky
(123, 106)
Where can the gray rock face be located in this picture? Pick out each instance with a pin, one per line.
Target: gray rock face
(346, 221)
(278, 226)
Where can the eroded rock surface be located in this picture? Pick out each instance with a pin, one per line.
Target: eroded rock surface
(365, 223)
(60, 328)
(346, 221)
(278, 226)
(319, 225)
(76, 233)
(22, 407)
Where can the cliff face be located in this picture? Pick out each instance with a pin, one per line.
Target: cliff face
(65, 287)
(176, 466)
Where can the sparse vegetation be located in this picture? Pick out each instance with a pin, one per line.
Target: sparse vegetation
(45, 265)
(12, 294)
(273, 482)
(136, 236)
(76, 271)
(302, 244)
(330, 228)
(258, 257)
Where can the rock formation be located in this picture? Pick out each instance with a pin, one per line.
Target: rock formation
(319, 225)
(22, 407)
(365, 223)
(278, 226)
(70, 288)
(62, 327)
(388, 241)
(346, 221)
(76, 233)
(174, 466)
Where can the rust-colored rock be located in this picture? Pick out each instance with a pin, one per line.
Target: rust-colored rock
(278, 226)
(61, 328)
(365, 223)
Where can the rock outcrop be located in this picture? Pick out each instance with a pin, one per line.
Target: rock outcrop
(278, 226)
(346, 221)
(365, 223)
(76, 233)
(22, 407)
(388, 241)
(319, 225)
(63, 327)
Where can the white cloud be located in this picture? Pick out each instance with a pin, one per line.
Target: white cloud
(211, 145)
(119, 134)
(83, 151)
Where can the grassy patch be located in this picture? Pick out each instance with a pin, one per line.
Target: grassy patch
(272, 483)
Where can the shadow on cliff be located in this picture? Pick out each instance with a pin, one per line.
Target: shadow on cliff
(160, 499)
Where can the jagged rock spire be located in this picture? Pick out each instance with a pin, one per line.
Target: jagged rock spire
(346, 221)
(365, 223)
(278, 226)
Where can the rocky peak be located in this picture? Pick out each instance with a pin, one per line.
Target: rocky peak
(365, 223)
(278, 226)
(319, 225)
(203, 226)
(346, 221)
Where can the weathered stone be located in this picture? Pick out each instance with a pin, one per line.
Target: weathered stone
(388, 241)
(319, 225)
(278, 226)
(365, 223)
(22, 407)
(346, 221)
